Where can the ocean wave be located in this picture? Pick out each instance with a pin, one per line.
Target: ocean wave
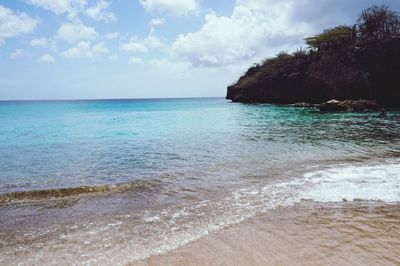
(335, 184)
(156, 230)
(380, 182)
(66, 193)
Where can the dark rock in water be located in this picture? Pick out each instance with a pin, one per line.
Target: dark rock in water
(349, 106)
(332, 106)
(382, 114)
(303, 104)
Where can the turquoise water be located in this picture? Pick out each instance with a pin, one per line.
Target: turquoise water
(184, 168)
(62, 144)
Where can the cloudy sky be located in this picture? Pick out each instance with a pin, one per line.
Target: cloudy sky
(79, 49)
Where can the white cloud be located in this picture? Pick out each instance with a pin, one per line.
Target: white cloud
(157, 22)
(73, 8)
(153, 42)
(170, 7)
(69, 7)
(99, 12)
(47, 58)
(172, 67)
(135, 60)
(85, 50)
(17, 53)
(112, 35)
(13, 24)
(143, 45)
(160, 62)
(255, 28)
(74, 32)
(100, 48)
(40, 42)
(134, 46)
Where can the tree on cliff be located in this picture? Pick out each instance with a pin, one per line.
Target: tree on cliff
(338, 37)
(375, 24)
(378, 23)
(359, 62)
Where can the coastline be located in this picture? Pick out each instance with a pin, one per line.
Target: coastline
(306, 232)
(115, 190)
(327, 215)
(348, 233)
(111, 152)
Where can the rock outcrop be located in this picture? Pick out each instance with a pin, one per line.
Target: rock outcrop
(372, 73)
(349, 106)
(351, 68)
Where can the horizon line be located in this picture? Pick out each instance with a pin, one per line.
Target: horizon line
(109, 99)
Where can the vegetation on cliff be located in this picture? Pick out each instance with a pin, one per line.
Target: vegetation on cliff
(357, 62)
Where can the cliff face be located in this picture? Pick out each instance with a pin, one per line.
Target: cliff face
(370, 72)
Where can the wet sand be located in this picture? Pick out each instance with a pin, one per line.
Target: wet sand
(349, 233)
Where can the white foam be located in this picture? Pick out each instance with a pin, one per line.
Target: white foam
(379, 182)
(164, 230)
(365, 182)
(151, 219)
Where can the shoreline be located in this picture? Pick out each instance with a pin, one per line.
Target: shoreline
(305, 233)
(262, 223)
(308, 233)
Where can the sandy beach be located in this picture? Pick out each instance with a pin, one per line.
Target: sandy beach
(306, 234)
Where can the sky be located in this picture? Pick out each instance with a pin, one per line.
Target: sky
(103, 49)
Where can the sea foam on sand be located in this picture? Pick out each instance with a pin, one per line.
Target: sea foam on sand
(379, 182)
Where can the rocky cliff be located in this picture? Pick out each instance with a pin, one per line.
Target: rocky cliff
(349, 66)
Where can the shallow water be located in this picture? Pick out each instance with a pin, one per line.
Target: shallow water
(158, 174)
(307, 234)
(67, 144)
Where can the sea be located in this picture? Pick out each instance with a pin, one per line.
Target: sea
(100, 182)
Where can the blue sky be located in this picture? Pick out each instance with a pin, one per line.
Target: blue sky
(80, 49)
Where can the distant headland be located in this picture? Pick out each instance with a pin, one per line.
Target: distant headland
(342, 63)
